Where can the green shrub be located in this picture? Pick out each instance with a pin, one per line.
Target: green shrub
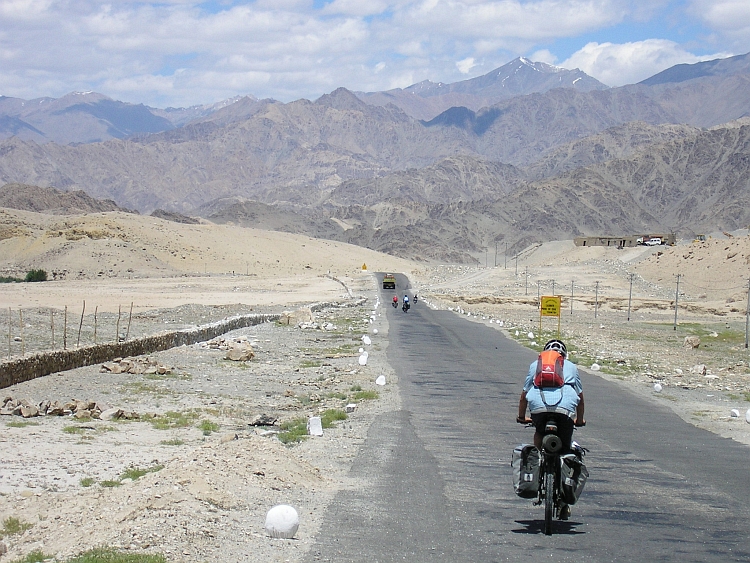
(36, 276)
(206, 426)
(13, 526)
(294, 430)
(365, 395)
(135, 473)
(35, 556)
(332, 415)
(87, 481)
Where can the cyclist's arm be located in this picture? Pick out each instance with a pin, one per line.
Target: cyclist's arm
(523, 404)
(580, 420)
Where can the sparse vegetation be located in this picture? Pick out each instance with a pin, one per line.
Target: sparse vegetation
(13, 526)
(110, 555)
(135, 473)
(365, 395)
(207, 427)
(293, 431)
(332, 415)
(35, 556)
(172, 419)
(21, 423)
(109, 483)
(87, 481)
(10, 279)
(172, 442)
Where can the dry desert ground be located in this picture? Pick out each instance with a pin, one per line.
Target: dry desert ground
(207, 477)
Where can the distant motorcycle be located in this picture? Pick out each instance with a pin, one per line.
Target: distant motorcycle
(394, 303)
(405, 307)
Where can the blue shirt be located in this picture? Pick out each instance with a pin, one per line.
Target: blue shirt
(564, 399)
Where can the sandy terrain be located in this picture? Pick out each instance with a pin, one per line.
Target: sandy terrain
(209, 499)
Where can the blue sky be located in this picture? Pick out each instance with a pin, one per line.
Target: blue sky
(180, 52)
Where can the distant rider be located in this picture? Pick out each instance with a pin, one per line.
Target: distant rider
(564, 405)
(395, 300)
(406, 299)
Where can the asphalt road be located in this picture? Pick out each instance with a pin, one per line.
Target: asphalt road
(439, 480)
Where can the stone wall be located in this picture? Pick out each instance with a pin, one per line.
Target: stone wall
(44, 363)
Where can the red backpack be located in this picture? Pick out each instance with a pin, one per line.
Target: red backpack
(549, 369)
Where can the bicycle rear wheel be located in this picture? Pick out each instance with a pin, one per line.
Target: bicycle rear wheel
(549, 501)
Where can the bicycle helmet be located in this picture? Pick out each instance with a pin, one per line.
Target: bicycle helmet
(558, 346)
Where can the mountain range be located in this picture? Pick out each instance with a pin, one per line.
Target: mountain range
(534, 153)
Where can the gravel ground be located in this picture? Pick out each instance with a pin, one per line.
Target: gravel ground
(205, 493)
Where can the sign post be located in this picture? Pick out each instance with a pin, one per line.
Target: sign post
(549, 306)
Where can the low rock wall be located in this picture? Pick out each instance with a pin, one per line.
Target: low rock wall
(38, 365)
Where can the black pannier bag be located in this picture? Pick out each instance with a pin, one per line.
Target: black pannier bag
(525, 464)
(573, 476)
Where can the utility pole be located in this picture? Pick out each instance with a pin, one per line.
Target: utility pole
(747, 314)
(630, 296)
(553, 287)
(538, 292)
(676, 297)
(596, 301)
(516, 265)
(506, 254)
(486, 257)
(527, 280)
(571, 297)
(495, 254)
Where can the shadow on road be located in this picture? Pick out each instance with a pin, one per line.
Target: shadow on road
(561, 527)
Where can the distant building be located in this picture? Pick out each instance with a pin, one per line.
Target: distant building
(627, 241)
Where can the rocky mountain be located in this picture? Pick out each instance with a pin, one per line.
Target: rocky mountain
(53, 201)
(547, 165)
(730, 66)
(519, 77)
(80, 117)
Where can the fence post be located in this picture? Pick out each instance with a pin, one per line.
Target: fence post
(80, 325)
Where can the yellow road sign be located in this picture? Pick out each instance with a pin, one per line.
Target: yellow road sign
(550, 306)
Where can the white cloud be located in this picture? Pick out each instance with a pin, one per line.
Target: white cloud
(464, 66)
(628, 63)
(723, 15)
(356, 7)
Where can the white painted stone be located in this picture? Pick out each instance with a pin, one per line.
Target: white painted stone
(735, 413)
(363, 360)
(595, 367)
(350, 407)
(747, 416)
(657, 387)
(380, 380)
(282, 521)
(374, 330)
(366, 340)
(314, 426)
(530, 335)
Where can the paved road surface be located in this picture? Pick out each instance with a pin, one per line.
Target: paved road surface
(660, 489)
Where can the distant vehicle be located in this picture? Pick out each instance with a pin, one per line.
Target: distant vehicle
(389, 281)
(700, 238)
(653, 242)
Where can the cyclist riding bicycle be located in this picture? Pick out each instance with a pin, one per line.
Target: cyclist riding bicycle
(564, 404)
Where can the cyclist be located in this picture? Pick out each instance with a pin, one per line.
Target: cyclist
(564, 405)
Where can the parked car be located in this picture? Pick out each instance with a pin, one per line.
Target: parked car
(653, 242)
